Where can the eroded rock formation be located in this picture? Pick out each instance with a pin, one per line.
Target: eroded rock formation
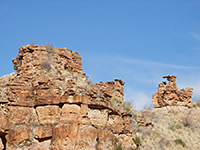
(50, 104)
(168, 95)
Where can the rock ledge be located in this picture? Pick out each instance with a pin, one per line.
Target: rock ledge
(49, 103)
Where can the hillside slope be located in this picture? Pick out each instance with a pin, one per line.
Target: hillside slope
(168, 128)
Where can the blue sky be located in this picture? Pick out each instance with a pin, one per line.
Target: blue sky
(137, 41)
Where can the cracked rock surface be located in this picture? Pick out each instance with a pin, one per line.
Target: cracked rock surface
(168, 94)
(49, 103)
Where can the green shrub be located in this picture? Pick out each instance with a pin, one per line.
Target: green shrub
(117, 100)
(118, 146)
(179, 142)
(127, 107)
(117, 103)
(174, 126)
(137, 140)
(43, 71)
(134, 116)
(70, 69)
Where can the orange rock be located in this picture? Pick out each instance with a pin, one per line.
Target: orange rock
(168, 95)
(22, 115)
(47, 96)
(115, 123)
(18, 134)
(48, 114)
(1, 144)
(4, 122)
(84, 109)
(70, 108)
(87, 136)
(42, 132)
(98, 117)
(50, 104)
(65, 135)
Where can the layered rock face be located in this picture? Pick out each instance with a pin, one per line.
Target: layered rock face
(168, 95)
(50, 104)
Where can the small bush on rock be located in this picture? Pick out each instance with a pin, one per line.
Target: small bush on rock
(117, 103)
(50, 48)
(137, 141)
(117, 100)
(179, 142)
(118, 146)
(69, 69)
(127, 107)
(174, 126)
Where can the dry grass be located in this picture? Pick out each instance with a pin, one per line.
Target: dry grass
(197, 103)
(50, 48)
(172, 130)
(46, 65)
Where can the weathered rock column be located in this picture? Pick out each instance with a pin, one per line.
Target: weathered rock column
(168, 94)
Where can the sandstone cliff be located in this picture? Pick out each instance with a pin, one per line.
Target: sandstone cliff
(50, 104)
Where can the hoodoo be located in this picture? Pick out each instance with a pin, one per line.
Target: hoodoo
(168, 95)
